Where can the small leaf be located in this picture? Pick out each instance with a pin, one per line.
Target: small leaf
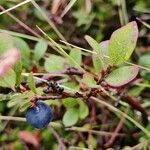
(88, 79)
(30, 138)
(8, 80)
(145, 60)
(31, 83)
(71, 117)
(40, 49)
(7, 60)
(25, 51)
(17, 99)
(54, 63)
(122, 76)
(97, 58)
(104, 46)
(122, 43)
(92, 142)
(97, 64)
(24, 105)
(70, 102)
(18, 71)
(136, 91)
(83, 109)
(6, 42)
(76, 55)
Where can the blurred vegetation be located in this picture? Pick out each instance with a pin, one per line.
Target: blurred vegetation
(97, 18)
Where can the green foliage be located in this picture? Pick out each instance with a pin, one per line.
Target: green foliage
(6, 42)
(76, 55)
(70, 117)
(145, 60)
(83, 18)
(88, 80)
(122, 76)
(80, 108)
(83, 110)
(54, 63)
(25, 52)
(31, 83)
(18, 71)
(98, 19)
(40, 49)
(122, 43)
(9, 80)
(98, 57)
(70, 102)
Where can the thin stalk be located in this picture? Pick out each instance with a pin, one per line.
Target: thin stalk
(25, 36)
(21, 119)
(67, 8)
(103, 133)
(90, 51)
(16, 6)
(61, 51)
(48, 20)
(21, 23)
(114, 109)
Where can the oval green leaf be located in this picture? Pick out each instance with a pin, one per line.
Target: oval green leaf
(145, 60)
(31, 83)
(122, 43)
(76, 55)
(6, 42)
(40, 49)
(71, 117)
(54, 63)
(83, 109)
(70, 102)
(122, 76)
(8, 80)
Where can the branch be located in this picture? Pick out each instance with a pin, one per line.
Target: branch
(136, 105)
(58, 138)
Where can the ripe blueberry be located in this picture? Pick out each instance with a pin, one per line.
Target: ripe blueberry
(39, 116)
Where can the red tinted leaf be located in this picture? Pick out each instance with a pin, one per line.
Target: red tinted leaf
(122, 43)
(122, 76)
(7, 60)
(30, 138)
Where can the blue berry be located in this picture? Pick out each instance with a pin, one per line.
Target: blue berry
(39, 116)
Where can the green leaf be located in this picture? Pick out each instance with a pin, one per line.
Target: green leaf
(71, 117)
(18, 71)
(83, 109)
(24, 105)
(136, 91)
(122, 76)
(97, 58)
(25, 51)
(6, 42)
(122, 43)
(104, 46)
(54, 63)
(88, 80)
(22, 98)
(40, 49)
(145, 60)
(76, 55)
(97, 64)
(95, 45)
(70, 102)
(83, 18)
(8, 80)
(31, 83)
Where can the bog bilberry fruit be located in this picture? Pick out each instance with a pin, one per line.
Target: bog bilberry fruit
(40, 115)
